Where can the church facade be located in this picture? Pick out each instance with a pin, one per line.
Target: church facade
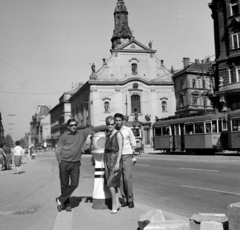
(132, 82)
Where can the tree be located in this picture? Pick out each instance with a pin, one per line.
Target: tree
(9, 141)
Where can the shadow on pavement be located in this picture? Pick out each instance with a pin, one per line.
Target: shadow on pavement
(75, 201)
(20, 173)
(195, 154)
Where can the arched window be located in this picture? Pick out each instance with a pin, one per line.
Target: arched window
(106, 107)
(164, 106)
(136, 104)
(134, 68)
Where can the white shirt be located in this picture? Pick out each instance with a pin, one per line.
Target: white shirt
(18, 151)
(129, 140)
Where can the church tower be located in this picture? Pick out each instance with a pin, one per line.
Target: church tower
(121, 33)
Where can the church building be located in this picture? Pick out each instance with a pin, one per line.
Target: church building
(132, 82)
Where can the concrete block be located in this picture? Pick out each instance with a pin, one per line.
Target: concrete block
(196, 220)
(194, 225)
(211, 225)
(209, 217)
(150, 217)
(168, 225)
(234, 216)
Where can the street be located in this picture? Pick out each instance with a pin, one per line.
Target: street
(178, 184)
(187, 184)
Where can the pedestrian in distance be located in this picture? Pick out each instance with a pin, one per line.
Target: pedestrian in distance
(68, 154)
(30, 152)
(7, 150)
(2, 157)
(113, 161)
(18, 154)
(129, 144)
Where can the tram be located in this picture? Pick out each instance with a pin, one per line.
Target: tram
(191, 133)
(233, 141)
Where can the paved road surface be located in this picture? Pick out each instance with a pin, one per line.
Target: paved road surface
(187, 184)
(178, 184)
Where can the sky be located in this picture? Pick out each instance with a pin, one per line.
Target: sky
(48, 45)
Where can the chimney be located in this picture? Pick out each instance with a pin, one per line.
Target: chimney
(186, 62)
(162, 62)
(196, 61)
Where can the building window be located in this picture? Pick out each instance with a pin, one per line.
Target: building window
(181, 101)
(106, 107)
(181, 84)
(204, 84)
(236, 40)
(205, 102)
(136, 104)
(234, 7)
(134, 69)
(194, 83)
(164, 106)
(194, 100)
(233, 76)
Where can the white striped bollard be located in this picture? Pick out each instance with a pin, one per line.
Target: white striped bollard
(101, 193)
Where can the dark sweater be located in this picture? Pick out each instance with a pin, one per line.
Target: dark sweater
(69, 147)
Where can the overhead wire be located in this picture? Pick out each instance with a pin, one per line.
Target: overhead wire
(112, 94)
(28, 75)
(25, 93)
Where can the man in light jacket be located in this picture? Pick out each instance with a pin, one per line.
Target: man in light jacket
(127, 154)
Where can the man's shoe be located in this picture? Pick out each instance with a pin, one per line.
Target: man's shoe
(131, 204)
(124, 204)
(59, 206)
(68, 208)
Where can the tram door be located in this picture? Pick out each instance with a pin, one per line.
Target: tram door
(182, 137)
(172, 139)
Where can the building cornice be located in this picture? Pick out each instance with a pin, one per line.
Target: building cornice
(92, 82)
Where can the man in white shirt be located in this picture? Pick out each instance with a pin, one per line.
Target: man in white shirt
(128, 147)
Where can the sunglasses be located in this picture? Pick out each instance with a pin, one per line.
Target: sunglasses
(110, 124)
(73, 125)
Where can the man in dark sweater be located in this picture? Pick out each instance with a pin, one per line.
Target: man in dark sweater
(68, 153)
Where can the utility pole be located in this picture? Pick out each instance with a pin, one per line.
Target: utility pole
(126, 103)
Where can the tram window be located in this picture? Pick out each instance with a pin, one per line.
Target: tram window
(214, 126)
(236, 124)
(177, 130)
(165, 130)
(220, 126)
(224, 125)
(208, 127)
(189, 128)
(199, 128)
(158, 131)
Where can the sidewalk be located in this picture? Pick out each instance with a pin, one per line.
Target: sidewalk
(85, 217)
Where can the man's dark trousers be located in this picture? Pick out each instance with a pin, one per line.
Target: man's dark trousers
(68, 170)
